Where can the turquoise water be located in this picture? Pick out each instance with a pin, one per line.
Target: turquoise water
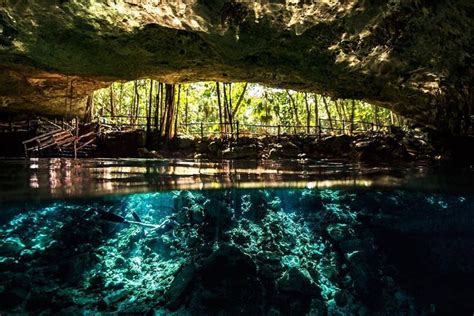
(310, 250)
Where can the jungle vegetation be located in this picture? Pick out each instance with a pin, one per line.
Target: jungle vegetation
(220, 108)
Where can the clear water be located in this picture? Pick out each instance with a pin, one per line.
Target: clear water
(306, 238)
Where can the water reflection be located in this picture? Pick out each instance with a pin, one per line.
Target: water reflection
(53, 178)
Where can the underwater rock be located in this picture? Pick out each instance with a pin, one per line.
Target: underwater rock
(39, 301)
(180, 284)
(11, 246)
(297, 280)
(339, 231)
(10, 298)
(115, 296)
(297, 292)
(226, 283)
(8, 264)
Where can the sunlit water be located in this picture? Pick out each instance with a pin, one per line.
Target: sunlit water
(288, 238)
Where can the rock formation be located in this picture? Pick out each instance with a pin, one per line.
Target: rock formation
(413, 56)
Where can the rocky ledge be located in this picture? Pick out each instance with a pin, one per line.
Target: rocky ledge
(414, 57)
(396, 147)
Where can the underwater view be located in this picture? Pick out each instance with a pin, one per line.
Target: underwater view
(314, 250)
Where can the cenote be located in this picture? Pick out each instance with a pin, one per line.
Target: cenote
(233, 157)
(301, 239)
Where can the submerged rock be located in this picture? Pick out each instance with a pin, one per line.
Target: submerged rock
(338, 231)
(11, 246)
(224, 283)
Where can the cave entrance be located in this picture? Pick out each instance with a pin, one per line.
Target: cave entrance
(231, 110)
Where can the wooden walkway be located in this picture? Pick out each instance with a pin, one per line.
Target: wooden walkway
(213, 129)
(62, 140)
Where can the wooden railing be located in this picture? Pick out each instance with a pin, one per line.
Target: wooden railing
(209, 129)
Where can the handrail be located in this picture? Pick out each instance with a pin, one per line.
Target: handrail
(237, 128)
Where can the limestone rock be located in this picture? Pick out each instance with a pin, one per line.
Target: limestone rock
(414, 58)
(11, 246)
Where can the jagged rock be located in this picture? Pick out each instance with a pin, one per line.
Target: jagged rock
(116, 296)
(180, 284)
(11, 246)
(8, 264)
(296, 280)
(396, 54)
(339, 232)
(225, 283)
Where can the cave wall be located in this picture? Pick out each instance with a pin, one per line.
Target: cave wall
(414, 57)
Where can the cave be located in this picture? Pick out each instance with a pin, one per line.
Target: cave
(410, 56)
(226, 157)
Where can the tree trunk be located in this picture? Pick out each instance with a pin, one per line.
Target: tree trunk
(316, 110)
(163, 111)
(339, 114)
(376, 116)
(239, 101)
(229, 109)
(352, 116)
(295, 110)
(308, 113)
(157, 110)
(89, 108)
(137, 107)
(326, 106)
(226, 115)
(135, 102)
(186, 109)
(112, 101)
(220, 107)
(170, 111)
(150, 105)
(177, 112)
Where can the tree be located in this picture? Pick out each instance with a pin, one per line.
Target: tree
(308, 112)
(326, 106)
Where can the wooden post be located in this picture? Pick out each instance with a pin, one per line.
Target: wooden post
(237, 129)
(319, 129)
(279, 131)
(202, 131)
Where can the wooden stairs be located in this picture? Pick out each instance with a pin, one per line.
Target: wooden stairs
(60, 141)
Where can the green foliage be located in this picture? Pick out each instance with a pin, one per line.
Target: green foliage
(259, 105)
